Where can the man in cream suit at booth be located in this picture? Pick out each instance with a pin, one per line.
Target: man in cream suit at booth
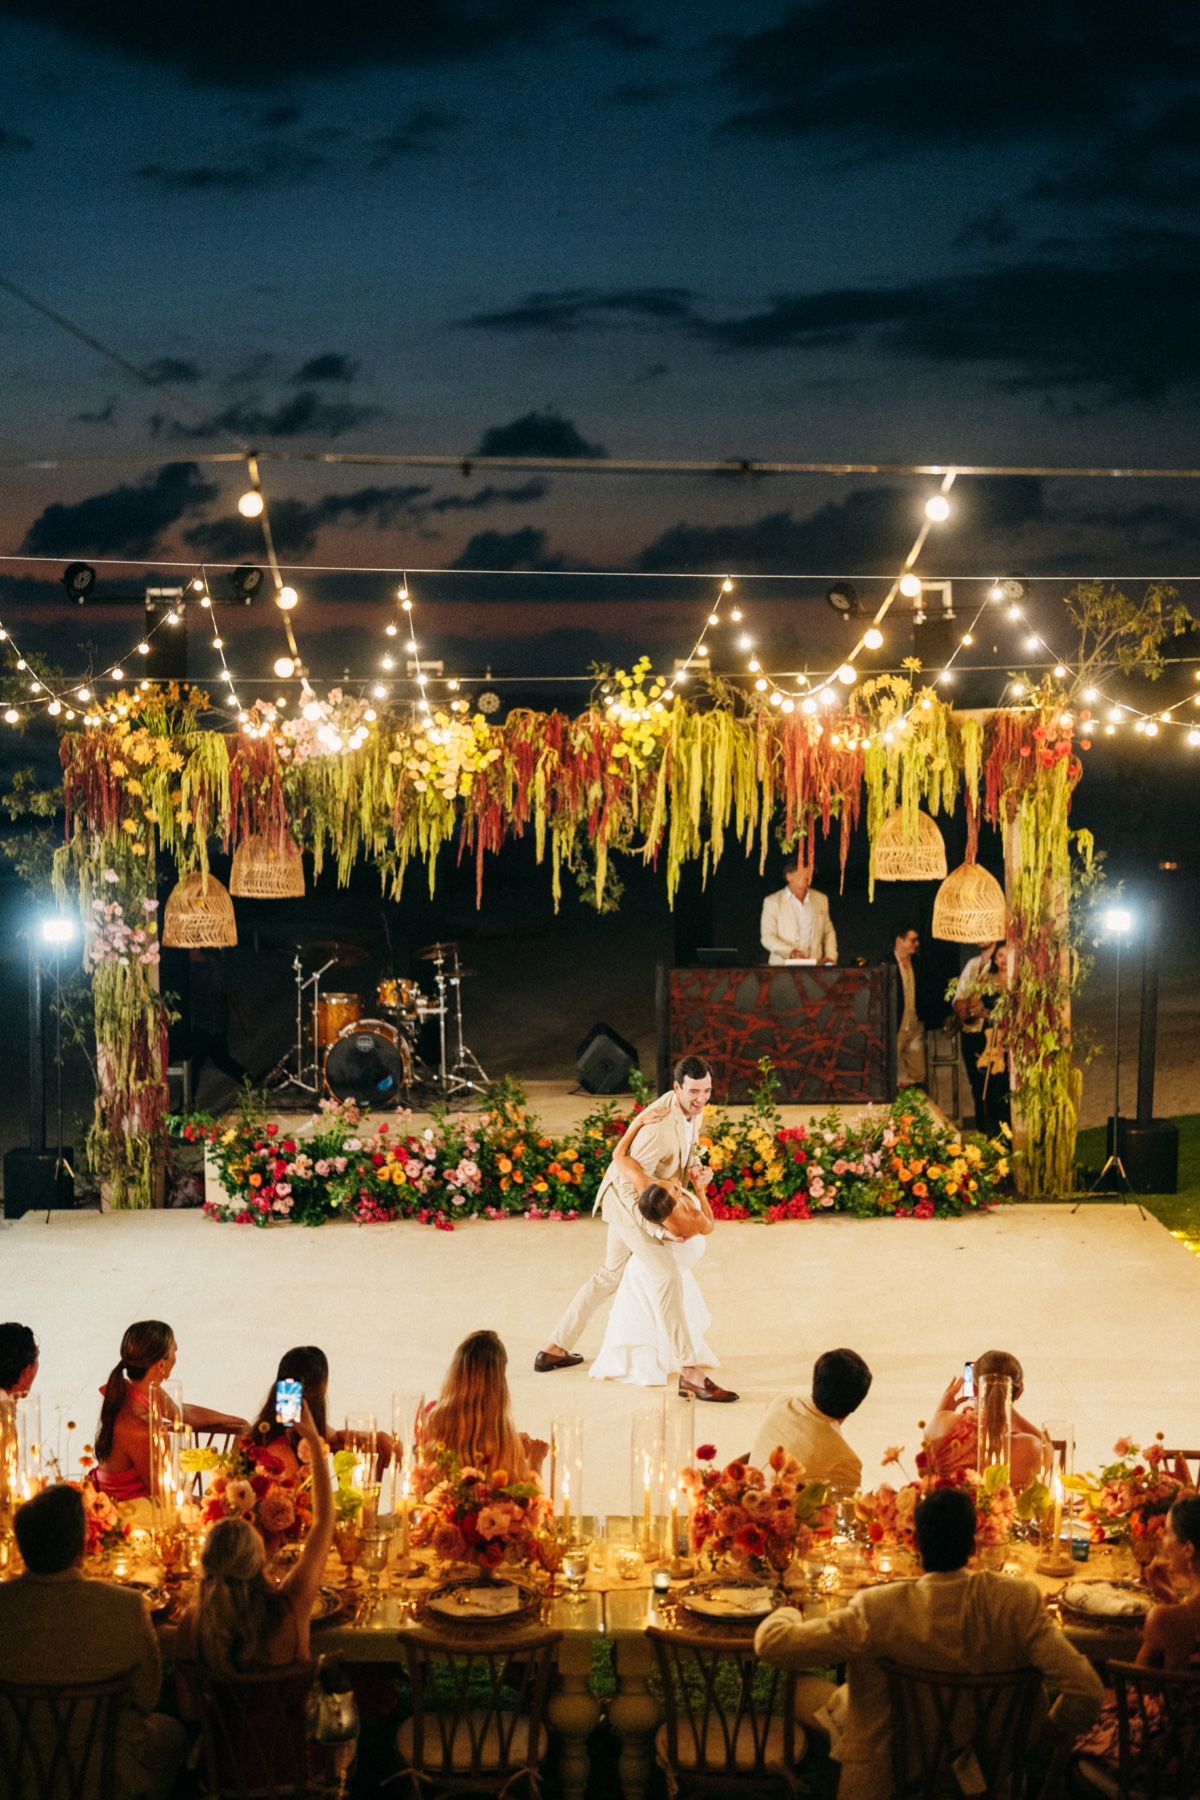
(796, 926)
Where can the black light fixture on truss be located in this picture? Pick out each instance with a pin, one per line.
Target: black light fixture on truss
(244, 583)
(79, 578)
(843, 597)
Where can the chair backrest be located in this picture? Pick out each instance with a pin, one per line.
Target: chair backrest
(721, 1704)
(58, 1742)
(1158, 1730)
(1185, 1465)
(479, 1703)
(956, 1734)
(255, 1731)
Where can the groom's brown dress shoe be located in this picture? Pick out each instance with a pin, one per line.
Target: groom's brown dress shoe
(543, 1361)
(708, 1390)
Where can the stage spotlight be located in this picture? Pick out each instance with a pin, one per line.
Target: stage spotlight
(245, 582)
(79, 578)
(57, 929)
(873, 639)
(251, 504)
(910, 586)
(1117, 919)
(1010, 588)
(937, 508)
(843, 597)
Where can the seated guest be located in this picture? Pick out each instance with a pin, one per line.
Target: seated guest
(309, 1365)
(811, 1430)
(148, 1354)
(56, 1626)
(18, 1361)
(953, 1432)
(473, 1414)
(1171, 1636)
(951, 1619)
(241, 1622)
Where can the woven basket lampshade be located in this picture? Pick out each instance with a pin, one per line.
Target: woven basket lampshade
(969, 908)
(263, 870)
(197, 918)
(901, 857)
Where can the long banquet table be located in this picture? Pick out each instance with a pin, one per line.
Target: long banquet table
(621, 1610)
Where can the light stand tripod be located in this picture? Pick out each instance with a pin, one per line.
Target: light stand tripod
(1118, 921)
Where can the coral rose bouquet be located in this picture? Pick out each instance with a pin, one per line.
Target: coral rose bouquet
(106, 1531)
(754, 1520)
(481, 1516)
(250, 1482)
(1130, 1499)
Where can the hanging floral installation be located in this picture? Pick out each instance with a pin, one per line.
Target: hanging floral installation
(640, 773)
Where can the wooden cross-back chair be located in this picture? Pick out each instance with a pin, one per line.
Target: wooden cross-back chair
(59, 1741)
(478, 1722)
(955, 1734)
(730, 1720)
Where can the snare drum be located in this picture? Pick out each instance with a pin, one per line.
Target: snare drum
(370, 1063)
(334, 1013)
(398, 996)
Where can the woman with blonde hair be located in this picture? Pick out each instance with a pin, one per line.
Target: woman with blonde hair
(148, 1352)
(241, 1623)
(473, 1414)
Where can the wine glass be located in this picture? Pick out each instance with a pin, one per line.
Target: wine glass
(373, 1557)
(574, 1568)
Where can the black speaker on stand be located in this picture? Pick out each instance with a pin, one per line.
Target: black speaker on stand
(37, 1179)
(603, 1061)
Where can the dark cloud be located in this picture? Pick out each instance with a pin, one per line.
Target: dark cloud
(1156, 167)
(611, 29)
(228, 44)
(1120, 316)
(644, 93)
(305, 414)
(491, 496)
(125, 521)
(14, 140)
(104, 415)
(172, 368)
(416, 137)
(275, 118)
(279, 166)
(508, 550)
(330, 366)
(295, 524)
(871, 527)
(890, 76)
(579, 309)
(537, 434)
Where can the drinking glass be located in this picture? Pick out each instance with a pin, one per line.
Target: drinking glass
(373, 1557)
(347, 1544)
(574, 1568)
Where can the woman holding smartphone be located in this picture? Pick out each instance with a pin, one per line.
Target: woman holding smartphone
(241, 1623)
(308, 1365)
(953, 1432)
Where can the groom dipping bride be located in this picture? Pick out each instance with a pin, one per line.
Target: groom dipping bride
(657, 1228)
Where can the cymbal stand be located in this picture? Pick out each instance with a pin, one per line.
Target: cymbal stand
(292, 1070)
(468, 1073)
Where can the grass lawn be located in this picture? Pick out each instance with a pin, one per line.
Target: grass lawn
(1179, 1212)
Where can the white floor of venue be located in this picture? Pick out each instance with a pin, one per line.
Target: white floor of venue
(1102, 1306)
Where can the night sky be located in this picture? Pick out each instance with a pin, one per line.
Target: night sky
(844, 229)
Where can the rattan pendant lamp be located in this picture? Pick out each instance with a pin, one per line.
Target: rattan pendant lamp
(970, 907)
(267, 869)
(199, 915)
(899, 856)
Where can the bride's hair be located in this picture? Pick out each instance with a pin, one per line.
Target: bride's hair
(656, 1203)
(473, 1416)
(238, 1612)
(144, 1344)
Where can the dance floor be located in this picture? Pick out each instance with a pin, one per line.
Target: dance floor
(1102, 1306)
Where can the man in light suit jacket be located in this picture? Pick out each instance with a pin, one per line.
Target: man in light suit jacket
(659, 1146)
(57, 1625)
(949, 1620)
(796, 926)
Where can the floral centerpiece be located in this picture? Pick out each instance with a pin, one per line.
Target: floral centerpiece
(1129, 1500)
(888, 1514)
(250, 1482)
(479, 1516)
(741, 1518)
(106, 1532)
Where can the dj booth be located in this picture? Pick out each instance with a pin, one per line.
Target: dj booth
(830, 1032)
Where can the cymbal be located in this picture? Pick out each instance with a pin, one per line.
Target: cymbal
(432, 952)
(350, 956)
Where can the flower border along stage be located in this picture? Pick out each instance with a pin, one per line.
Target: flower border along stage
(896, 1161)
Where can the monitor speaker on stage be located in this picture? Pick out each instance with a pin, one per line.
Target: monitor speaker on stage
(603, 1061)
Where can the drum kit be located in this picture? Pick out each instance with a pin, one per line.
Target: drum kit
(374, 1060)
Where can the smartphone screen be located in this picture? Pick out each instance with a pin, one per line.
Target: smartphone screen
(968, 1381)
(289, 1396)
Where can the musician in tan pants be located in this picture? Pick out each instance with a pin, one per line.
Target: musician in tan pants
(659, 1146)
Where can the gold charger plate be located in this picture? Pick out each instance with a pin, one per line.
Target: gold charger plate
(1078, 1615)
(328, 1605)
(447, 1602)
(700, 1599)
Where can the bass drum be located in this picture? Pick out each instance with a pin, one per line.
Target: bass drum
(369, 1063)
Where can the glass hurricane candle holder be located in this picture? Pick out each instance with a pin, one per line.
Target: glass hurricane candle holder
(31, 1452)
(408, 1431)
(994, 1423)
(165, 1406)
(646, 1477)
(1058, 1465)
(566, 1474)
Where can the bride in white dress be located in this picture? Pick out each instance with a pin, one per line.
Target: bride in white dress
(635, 1347)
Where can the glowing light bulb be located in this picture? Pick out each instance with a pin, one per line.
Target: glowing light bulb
(910, 586)
(714, 618)
(402, 591)
(83, 694)
(776, 699)
(1110, 731)
(3, 634)
(453, 686)
(1194, 736)
(827, 697)
(251, 504)
(1151, 728)
(12, 716)
(206, 601)
(1059, 671)
(1014, 612)
(143, 648)
(379, 692)
(313, 711)
(118, 674)
(937, 508)
(927, 704)
(391, 629)
(405, 602)
(1032, 643)
(761, 684)
(284, 666)
(371, 714)
(387, 662)
(218, 643)
(286, 598)
(21, 663)
(808, 704)
(847, 674)
(1090, 694)
(1018, 688)
(967, 639)
(172, 617)
(1116, 715)
(226, 675)
(788, 706)
(753, 665)
(873, 638)
(54, 708)
(727, 586)
(197, 586)
(411, 647)
(35, 687)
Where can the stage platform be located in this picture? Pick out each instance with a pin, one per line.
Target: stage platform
(1102, 1306)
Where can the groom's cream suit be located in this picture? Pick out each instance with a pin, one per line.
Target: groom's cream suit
(661, 1140)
